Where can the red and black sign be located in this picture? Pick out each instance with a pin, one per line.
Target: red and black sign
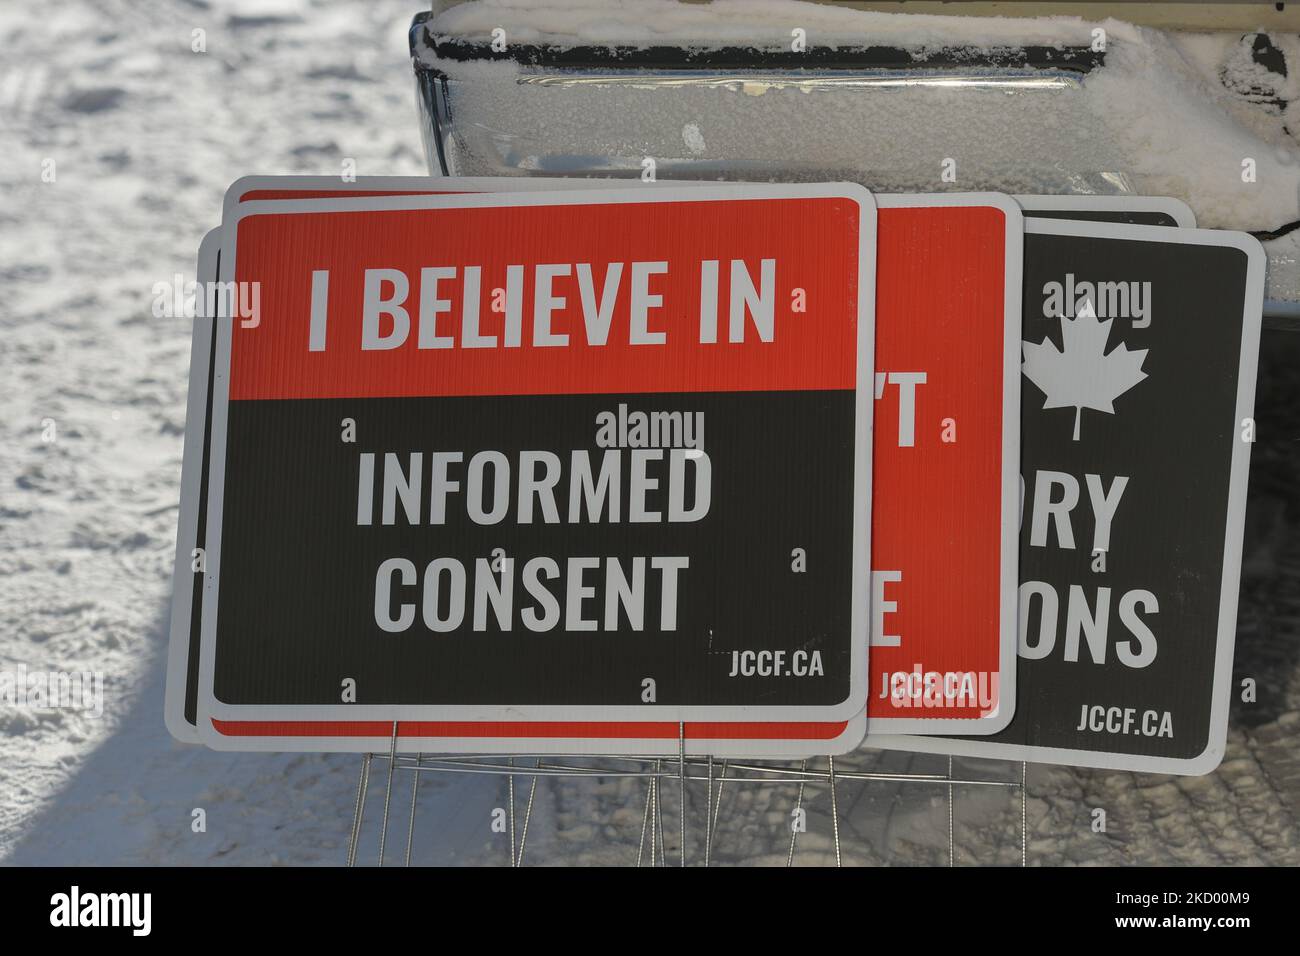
(543, 456)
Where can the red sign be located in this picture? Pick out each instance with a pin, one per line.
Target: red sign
(946, 465)
(574, 326)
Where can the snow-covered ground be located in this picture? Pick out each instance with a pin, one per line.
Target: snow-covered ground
(144, 135)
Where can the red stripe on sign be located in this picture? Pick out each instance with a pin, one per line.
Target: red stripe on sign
(562, 299)
(564, 729)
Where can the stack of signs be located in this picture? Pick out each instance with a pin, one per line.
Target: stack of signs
(487, 470)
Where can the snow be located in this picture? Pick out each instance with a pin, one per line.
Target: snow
(146, 135)
(742, 22)
(1284, 267)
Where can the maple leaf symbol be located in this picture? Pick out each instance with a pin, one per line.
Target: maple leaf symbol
(1082, 374)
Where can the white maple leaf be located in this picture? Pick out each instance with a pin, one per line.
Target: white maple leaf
(1082, 374)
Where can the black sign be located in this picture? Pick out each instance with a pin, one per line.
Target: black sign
(1140, 348)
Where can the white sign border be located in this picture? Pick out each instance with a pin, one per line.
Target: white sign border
(196, 408)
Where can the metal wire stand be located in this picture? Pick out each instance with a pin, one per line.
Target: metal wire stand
(656, 772)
